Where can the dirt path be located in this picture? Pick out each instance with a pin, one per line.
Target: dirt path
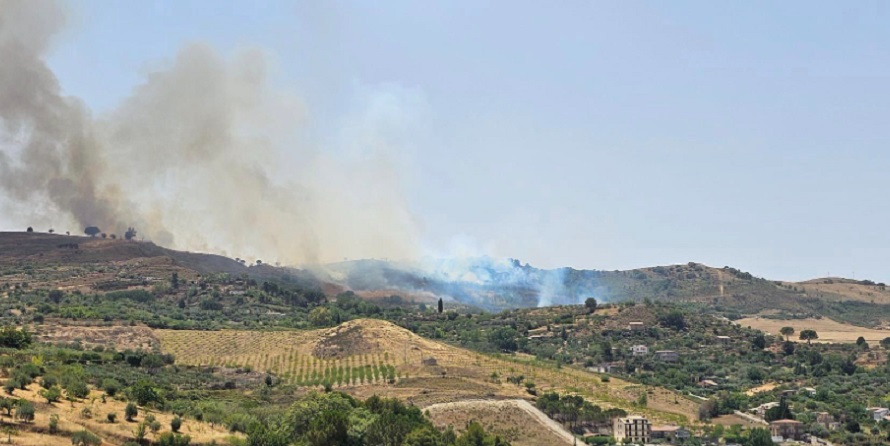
(522, 405)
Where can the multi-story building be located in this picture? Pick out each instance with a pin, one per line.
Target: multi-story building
(635, 428)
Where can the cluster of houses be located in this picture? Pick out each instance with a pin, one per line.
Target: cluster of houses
(784, 430)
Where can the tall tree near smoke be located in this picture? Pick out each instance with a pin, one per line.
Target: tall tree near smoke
(203, 155)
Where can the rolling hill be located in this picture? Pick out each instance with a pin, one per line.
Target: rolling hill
(53, 261)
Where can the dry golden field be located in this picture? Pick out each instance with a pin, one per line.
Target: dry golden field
(828, 330)
(71, 420)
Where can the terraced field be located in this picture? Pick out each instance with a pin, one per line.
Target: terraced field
(368, 356)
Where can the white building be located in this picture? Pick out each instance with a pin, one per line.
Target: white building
(640, 350)
(878, 413)
(635, 428)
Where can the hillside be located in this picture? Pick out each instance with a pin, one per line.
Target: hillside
(497, 285)
(367, 357)
(40, 260)
(95, 265)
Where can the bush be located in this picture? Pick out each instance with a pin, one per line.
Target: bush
(77, 388)
(131, 411)
(54, 424)
(175, 424)
(85, 438)
(112, 417)
(170, 439)
(52, 394)
(110, 386)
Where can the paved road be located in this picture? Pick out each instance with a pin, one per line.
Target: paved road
(523, 405)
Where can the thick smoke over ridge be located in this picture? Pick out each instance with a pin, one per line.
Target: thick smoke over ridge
(204, 155)
(481, 281)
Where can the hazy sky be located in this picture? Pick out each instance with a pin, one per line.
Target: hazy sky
(604, 135)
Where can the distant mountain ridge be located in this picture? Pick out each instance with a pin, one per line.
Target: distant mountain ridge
(483, 282)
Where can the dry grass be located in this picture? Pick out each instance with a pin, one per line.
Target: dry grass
(119, 337)
(828, 330)
(762, 388)
(729, 420)
(508, 419)
(844, 289)
(71, 420)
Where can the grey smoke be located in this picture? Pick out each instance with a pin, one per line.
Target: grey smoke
(203, 155)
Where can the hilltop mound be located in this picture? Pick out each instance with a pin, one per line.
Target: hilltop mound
(362, 336)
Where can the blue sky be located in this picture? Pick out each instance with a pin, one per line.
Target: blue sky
(605, 135)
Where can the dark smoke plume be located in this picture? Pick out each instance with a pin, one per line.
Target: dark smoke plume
(204, 155)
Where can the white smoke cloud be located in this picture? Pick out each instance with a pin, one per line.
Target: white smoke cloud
(204, 155)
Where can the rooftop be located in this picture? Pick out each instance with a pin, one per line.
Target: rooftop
(786, 422)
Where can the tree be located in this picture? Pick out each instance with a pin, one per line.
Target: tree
(174, 281)
(808, 335)
(144, 393)
(760, 437)
(441, 305)
(321, 317)
(110, 386)
(674, 320)
(85, 438)
(30, 229)
(175, 424)
(759, 342)
(504, 338)
(787, 331)
(24, 411)
(788, 348)
(7, 404)
(130, 234)
(51, 394)
(92, 231)
(131, 411)
(112, 417)
(780, 412)
(860, 341)
(590, 303)
(10, 337)
(9, 430)
(885, 343)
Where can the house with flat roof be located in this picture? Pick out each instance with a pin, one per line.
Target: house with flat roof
(787, 429)
(667, 355)
(878, 413)
(670, 433)
(639, 350)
